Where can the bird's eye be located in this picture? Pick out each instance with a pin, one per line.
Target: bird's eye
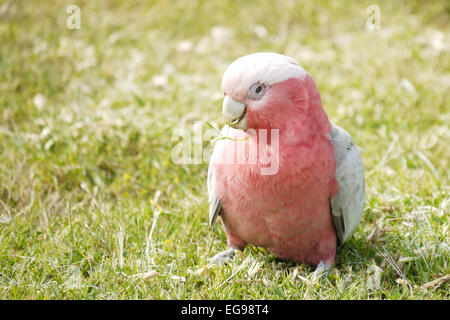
(257, 91)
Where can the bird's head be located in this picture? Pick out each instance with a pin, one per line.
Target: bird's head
(269, 90)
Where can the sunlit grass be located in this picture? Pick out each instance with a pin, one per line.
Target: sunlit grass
(92, 206)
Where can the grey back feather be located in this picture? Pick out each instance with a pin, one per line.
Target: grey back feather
(348, 205)
(214, 202)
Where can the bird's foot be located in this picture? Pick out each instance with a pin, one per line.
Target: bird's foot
(321, 271)
(223, 257)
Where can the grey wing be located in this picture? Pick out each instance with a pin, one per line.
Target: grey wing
(348, 205)
(214, 202)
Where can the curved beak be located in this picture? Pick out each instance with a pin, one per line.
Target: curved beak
(234, 112)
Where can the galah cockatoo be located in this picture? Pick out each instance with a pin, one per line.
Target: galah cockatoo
(311, 197)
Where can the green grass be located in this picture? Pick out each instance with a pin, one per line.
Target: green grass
(86, 124)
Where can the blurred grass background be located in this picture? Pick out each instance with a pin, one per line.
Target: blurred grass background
(91, 205)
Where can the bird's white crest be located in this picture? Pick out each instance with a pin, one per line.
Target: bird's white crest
(265, 67)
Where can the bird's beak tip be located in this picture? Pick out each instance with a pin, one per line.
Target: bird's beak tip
(235, 112)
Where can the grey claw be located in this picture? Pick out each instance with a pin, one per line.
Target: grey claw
(223, 257)
(321, 271)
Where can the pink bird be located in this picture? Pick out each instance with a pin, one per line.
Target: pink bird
(285, 179)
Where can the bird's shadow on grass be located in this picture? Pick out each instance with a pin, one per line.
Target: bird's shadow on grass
(355, 252)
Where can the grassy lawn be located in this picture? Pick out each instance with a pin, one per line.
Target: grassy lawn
(92, 205)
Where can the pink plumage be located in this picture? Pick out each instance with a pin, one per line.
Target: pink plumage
(287, 212)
